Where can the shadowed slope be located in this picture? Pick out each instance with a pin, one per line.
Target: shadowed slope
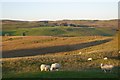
(53, 49)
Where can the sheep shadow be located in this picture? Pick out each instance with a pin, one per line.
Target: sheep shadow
(52, 49)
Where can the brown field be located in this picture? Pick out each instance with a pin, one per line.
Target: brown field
(17, 46)
(26, 54)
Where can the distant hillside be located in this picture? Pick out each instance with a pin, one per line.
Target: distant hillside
(60, 28)
(92, 23)
(11, 24)
(61, 31)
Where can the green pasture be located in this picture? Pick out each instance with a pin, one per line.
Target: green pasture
(61, 31)
(63, 74)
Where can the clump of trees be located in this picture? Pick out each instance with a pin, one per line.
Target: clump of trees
(53, 24)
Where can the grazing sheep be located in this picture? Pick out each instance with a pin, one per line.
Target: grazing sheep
(80, 53)
(55, 67)
(119, 52)
(7, 34)
(45, 67)
(42, 67)
(106, 67)
(105, 58)
(89, 59)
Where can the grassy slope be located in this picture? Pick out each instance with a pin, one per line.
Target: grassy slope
(70, 60)
(12, 24)
(62, 31)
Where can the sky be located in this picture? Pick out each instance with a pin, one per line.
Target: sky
(34, 10)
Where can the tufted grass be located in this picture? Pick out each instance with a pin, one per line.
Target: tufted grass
(71, 61)
(63, 74)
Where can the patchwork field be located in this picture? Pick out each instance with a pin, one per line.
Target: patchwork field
(23, 56)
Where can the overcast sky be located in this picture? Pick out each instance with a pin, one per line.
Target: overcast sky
(59, 9)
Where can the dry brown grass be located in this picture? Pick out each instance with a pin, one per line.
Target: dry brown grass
(70, 60)
(41, 44)
(18, 42)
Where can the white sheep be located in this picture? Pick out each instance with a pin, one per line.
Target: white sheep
(80, 53)
(42, 67)
(89, 59)
(106, 67)
(119, 52)
(55, 67)
(105, 58)
(45, 67)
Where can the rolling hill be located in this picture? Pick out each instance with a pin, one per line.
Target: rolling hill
(62, 43)
(60, 28)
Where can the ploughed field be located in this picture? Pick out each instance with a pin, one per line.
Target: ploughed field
(23, 55)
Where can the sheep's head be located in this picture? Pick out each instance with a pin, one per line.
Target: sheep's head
(51, 68)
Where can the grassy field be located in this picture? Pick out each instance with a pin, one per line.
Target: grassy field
(23, 56)
(47, 42)
(61, 31)
(14, 46)
(63, 74)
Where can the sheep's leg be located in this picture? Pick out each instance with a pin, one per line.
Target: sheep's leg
(53, 69)
(56, 69)
(110, 71)
(48, 69)
(44, 70)
(105, 71)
